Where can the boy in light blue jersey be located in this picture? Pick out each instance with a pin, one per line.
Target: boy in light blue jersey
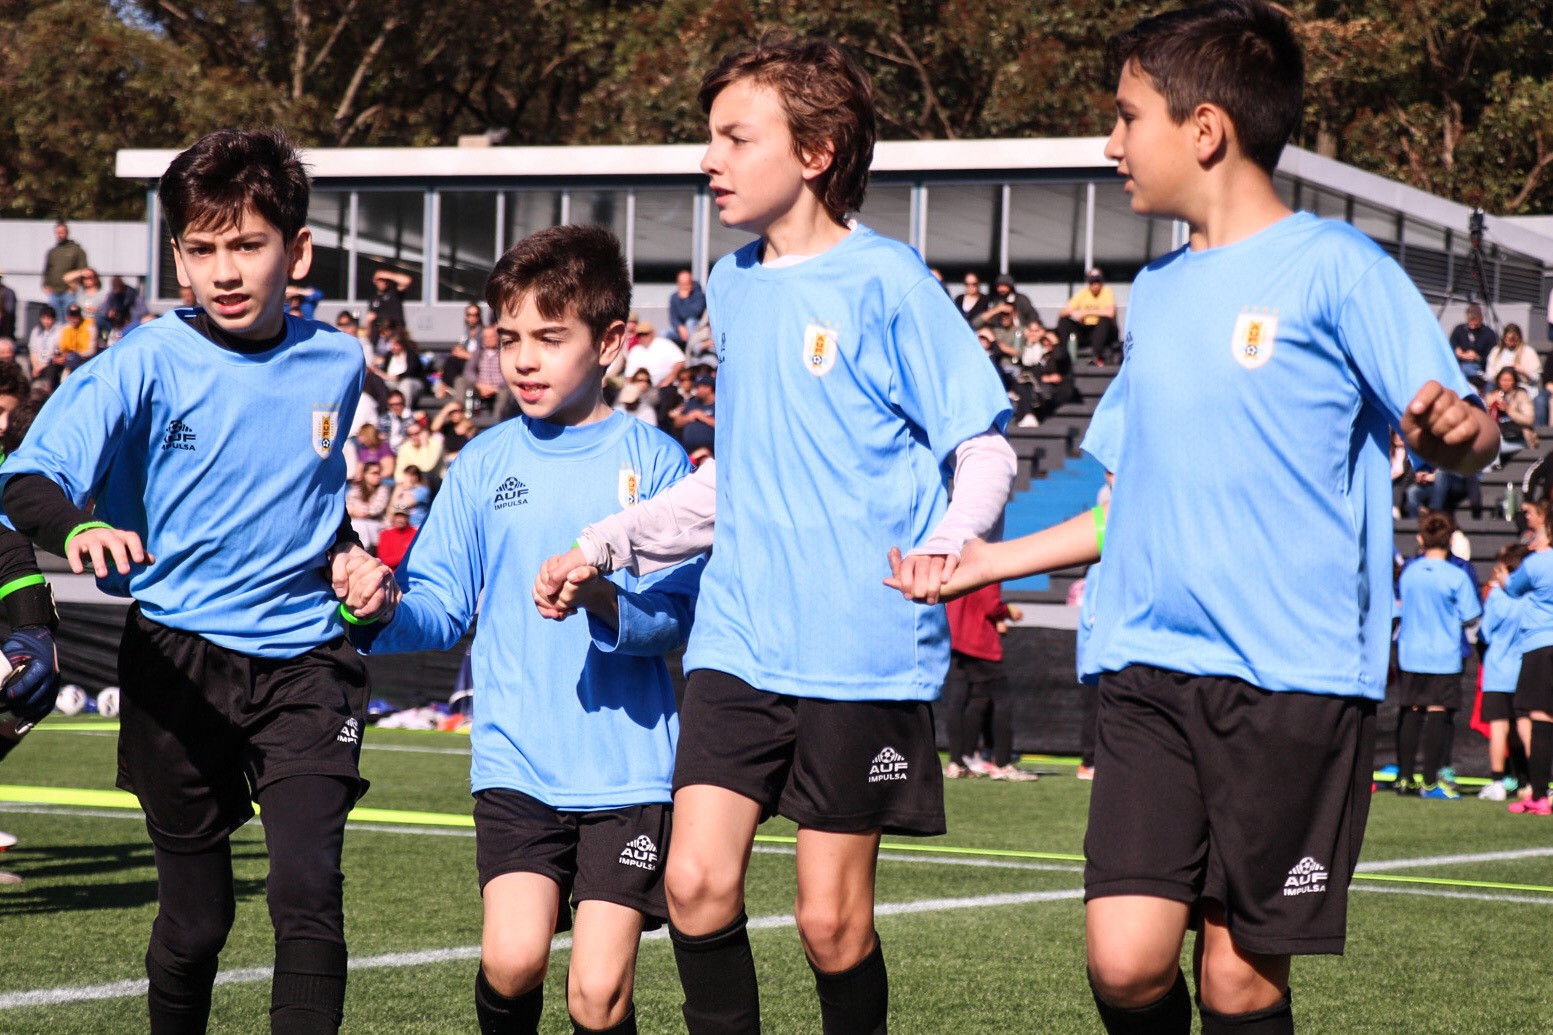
(1438, 600)
(208, 443)
(574, 725)
(1502, 618)
(1244, 615)
(848, 385)
(1532, 583)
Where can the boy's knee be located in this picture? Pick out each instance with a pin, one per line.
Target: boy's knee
(597, 997)
(1126, 978)
(510, 974)
(305, 899)
(702, 897)
(833, 939)
(180, 941)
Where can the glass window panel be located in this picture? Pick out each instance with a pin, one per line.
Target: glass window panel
(1379, 223)
(328, 216)
(530, 210)
(1324, 203)
(964, 223)
(1422, 235)
(167, 272)
(466, 244)
(1045, 231)
(605, 208)
(1124, 239)
(887, 211)
(664, 234)
(391, 234)
(721, 239)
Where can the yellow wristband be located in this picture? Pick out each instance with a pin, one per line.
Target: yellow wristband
(1098, 514)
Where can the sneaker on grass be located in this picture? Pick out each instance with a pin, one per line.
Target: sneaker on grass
(977, 765)
(1531, 807)
(1013, 773)
(1493, 790)
(1085, 772)
(1439, 792)
(955, 771)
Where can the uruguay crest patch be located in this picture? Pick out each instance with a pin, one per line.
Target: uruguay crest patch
(1256, 332)
(630, 493)
(326, 432)
(819, 348)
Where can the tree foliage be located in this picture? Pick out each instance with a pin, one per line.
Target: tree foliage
(1454, 96)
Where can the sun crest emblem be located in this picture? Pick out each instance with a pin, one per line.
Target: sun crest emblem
(819, 348)
(1256, 334)
(326, 431)
(630, 491)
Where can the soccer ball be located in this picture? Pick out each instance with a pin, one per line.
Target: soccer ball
(108, 702)
(72, 699)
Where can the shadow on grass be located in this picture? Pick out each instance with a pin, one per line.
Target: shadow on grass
(63, 878)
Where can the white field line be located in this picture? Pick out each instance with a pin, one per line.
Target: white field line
(1382, 865)
(401, 960)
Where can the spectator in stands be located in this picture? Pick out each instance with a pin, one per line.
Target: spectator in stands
(411, 495)
(43, 343)
(63, 257)
(394, 541)
(1512, 351)
(395, 420)
(1511, 405)
(423, 450)
(7, 310)
(696, 418)
(482, 383)
(367, 504)
(371, 448)
(1089, 319)
(639, 398)
(972, 303)
(388, 303)
(1007, 307)
(660, 357)
(1472, 341)
(458, 357)
(402, 366)
(977, 685)
(1536, 517)
(1048, 384)
(687, 308)
(77, 342)
(306, 297)
(124, 303)
(92, 297)
(455, 427)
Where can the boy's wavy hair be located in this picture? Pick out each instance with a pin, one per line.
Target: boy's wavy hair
(581, 269)
(208, 186)
(1240, 55)
(829, 101)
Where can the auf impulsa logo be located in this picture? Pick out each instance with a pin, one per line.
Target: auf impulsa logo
(888, 764)
(511, 493)
(179, 436)
(641, 853)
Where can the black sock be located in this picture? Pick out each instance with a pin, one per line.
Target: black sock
(1518, 767)
(504, 1015)
(627, 1026)
(1409, 725)
(1434, 745)
(307, 995)
(1169, 1015)
(855, 1001)
(179, 999)
(1277, 1019)
(717, 972)
(1541, 757)
(1448, 752)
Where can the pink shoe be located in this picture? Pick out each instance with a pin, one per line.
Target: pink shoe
(978, 766)
(1531, 807)
(1085, 772)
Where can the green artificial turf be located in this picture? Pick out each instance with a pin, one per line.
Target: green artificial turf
(1460, 956)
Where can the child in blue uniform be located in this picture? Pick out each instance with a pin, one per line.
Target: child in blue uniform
(848, 385)
(1437, 601)
(1502, 618)
(1244, 615)
(209, 440)
(574, 725)
(1532, 584)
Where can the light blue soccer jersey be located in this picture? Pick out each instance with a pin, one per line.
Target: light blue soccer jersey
(228, 466)
(572, 713)
(1533, 580)
(1250, 530)
(1437, 600)
(1502, 616)
(845, 384)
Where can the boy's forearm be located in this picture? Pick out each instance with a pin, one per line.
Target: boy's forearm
(1072, 543)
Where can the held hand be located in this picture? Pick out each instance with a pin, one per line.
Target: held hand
(343, 566)
(372, 593)
(1440, 426)
(102, 545)
(550, 581)
(582, 588)
(972, 571)
(29, 691)
(1015, 613)
(921, 577)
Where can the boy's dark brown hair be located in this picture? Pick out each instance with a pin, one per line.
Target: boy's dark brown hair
(208, 186)
(1434, 531)
(829, 101)
(577, 268)
(1511, 556)
(1240, 55)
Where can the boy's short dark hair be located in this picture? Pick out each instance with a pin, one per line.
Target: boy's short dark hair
(1240, 55)
(1434, 531)
(209, 185)
(829, 101)
(12, 380)
(19, 422)
(1512, 555)
(577, 268)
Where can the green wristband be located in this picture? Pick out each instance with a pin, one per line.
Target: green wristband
(21, 583)
(83, 527)
(1098, 514)
(345, 613)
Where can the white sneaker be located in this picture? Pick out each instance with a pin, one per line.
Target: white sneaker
(978, 765)
(1029, 420)
(1492, 791)
(1013, 773)
(955, 771)
(6, 840)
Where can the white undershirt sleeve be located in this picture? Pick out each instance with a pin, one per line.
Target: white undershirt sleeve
(984, 468)
(657, 533)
